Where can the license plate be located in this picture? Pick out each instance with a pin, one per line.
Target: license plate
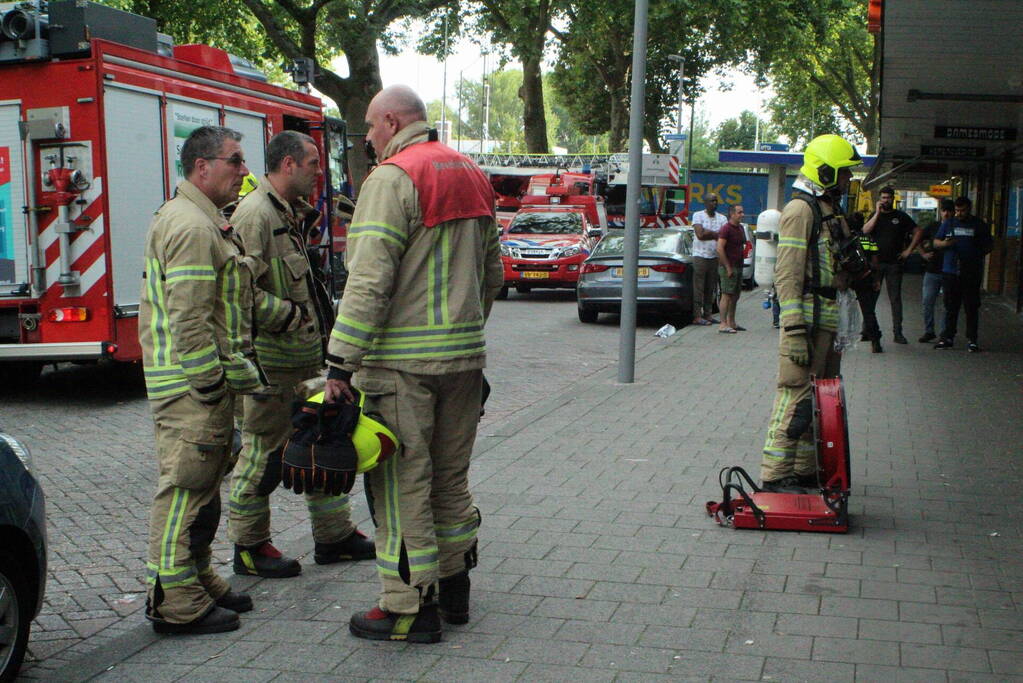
(643, 272)
(535, 274)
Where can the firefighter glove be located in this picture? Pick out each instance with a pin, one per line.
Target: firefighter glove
(297, 465)
(796, 347)
(334, 456)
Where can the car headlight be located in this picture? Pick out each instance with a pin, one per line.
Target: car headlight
(20, 450)
(508, 251)
(570, 251)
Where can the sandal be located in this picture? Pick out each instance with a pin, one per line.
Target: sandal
(702, 321)
(739, 328)
(727, 330)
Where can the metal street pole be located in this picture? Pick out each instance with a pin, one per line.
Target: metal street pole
(681, 74)
(630, 262)
(692, 122)
(461, 88)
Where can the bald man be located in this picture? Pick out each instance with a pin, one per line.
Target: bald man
(706, 225)
(424, 269)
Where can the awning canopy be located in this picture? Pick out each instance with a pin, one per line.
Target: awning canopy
(951, 87)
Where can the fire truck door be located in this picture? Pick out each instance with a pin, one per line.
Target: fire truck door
(13, 236)
(134, 183)
(253, 130)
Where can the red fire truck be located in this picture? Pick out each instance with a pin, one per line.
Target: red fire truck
(95, 107)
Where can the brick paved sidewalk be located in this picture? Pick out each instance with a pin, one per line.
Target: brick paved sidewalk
(597, 561)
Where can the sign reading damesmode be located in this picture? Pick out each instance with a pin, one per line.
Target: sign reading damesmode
(974, 133)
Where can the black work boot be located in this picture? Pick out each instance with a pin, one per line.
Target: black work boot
(264, 560)
(236, 602)
(217, 620)
(808, 482)
(454, 598)
(875, 346)
(900, 338)
(377, 624)
(355, 547)
(788, 484)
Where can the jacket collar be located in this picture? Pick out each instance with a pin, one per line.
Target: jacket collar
(412, 134)
(199, 198)
(299, 209)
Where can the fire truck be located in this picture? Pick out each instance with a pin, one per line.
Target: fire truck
(95, 107)
(663, 201)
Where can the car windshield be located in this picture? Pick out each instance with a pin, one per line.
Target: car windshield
(554, 223)
(668, 242)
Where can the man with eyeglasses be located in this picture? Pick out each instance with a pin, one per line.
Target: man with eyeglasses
(273, 221)
(195, 332)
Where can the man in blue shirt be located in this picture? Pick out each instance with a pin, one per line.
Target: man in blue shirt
(966, 240)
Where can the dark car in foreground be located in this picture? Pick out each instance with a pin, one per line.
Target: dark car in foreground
(664, 283)
(22, 553)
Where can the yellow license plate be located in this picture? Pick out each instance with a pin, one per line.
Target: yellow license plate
(535, 274)
(643, 272)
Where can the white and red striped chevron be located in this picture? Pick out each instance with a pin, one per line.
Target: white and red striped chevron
(87, 251)
(673, 169)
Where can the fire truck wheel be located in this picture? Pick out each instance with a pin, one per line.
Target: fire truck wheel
(522, 289)
(503, 294)
(19, 374)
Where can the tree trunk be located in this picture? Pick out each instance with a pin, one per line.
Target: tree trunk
(534, 118)
(619, 131)
(352, 96)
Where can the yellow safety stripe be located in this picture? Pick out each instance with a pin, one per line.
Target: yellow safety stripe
(377, 229)
(172, 527)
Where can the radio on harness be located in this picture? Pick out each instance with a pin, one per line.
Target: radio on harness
(745, 506)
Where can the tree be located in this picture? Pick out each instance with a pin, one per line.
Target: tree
(521, 26)
(820, 60)
(595, 66)
(741, 132)
(292, 30)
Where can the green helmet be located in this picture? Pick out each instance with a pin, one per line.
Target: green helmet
(824, 156)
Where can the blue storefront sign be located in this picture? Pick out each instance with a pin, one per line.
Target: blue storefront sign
(747, 189)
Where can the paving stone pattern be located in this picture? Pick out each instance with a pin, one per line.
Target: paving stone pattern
(597, 561)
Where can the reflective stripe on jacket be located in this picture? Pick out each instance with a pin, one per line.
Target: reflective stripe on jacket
(196, 303)
(272, 232)
(793, 270)
(416, 298)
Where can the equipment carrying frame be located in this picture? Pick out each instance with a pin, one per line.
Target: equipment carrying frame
(744, 505)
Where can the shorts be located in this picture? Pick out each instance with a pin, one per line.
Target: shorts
(730, 285)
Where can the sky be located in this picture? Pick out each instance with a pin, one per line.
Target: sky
(425, 74)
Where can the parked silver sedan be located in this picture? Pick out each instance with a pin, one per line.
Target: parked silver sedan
(665, 282)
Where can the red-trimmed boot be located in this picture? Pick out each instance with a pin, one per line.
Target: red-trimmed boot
(377, 624)
(264, 560)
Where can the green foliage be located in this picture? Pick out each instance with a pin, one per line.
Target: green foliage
(820, 61)
(741, 132)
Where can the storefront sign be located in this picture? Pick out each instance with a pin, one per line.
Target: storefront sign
(952, 152)
(940, 191)
(972, 133)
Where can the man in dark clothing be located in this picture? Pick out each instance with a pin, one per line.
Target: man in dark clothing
(966, 241)
(867, 288)
(933, 261)
(891, 230)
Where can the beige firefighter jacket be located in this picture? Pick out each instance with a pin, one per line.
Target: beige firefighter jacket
(416, 298)
(196, 304)
(793, 269)
(273, 232)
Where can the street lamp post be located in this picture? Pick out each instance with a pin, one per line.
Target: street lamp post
(681, 74)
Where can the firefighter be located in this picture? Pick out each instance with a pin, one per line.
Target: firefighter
(807, 279)
(424, 269)
(194, 329)
(273, 221)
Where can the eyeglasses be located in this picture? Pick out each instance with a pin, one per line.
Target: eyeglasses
(235, 160)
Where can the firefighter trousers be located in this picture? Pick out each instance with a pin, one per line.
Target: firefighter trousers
(266, 426)
(426, 522)
(193, 453)
(789, 449)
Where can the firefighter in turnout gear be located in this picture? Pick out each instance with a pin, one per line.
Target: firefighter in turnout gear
(273, 221)
(807, 279)
(194, 329)
(424, 269)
